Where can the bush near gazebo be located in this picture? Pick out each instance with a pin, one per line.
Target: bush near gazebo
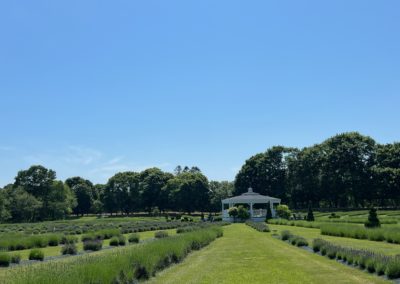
(239, 212)
(269, 213)
(243, 213)
(233, 212)
(283, 211)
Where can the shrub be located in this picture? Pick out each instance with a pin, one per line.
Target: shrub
(134, 238)
(310, 214)
(36, 254)
(259, 226)
(301, 242)
(121, 240)
(54, 240)
(393, 268)
(317, 244)
(283, 211)
(114, 242)
(5, 259)
(93, 245)
(69, 248)
(68, 239)
(243, 213)
(286, 235)
(269, 212)
(373, 221)
(15, 258)
(233, 212)
(160, 234)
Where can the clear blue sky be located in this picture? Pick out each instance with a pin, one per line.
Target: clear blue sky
(90, 88)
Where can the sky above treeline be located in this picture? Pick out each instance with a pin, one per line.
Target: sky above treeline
(91, 88)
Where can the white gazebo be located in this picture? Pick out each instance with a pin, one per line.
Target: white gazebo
(251, 198)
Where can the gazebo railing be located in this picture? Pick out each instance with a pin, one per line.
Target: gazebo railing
(259, 212)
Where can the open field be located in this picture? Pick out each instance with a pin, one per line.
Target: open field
(245, 255)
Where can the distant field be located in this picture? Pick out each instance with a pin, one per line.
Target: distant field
(386, 217)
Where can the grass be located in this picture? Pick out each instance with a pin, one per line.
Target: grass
(310, 234)
(245, 255)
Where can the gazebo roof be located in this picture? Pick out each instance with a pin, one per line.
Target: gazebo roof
(251, 196)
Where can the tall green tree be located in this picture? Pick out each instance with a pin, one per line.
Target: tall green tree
(386, 174)
(84, 192)
(189, 192)
(23, 206)
(4, 207)
(219, 190)
(123, 188)
(346, 169)
(266, 173)
(55, 198)
(151, 183)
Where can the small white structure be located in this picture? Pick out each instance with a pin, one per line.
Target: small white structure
(250, 198)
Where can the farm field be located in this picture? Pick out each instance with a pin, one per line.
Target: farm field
(55, 251)
(245, 255)
(311, 233)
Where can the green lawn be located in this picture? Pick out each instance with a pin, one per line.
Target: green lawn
(245, 255)
(310, 234)
(54, 251)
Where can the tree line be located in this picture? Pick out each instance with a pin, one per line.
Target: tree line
(346, 170)
(36, 194)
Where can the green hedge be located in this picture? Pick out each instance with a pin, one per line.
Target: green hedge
(372, 262)
(391, 234)
(259, 226)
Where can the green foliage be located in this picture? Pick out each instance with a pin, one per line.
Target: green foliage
(389, 234)
(373, 221)
(243, 213)
(84, 192)
(114, 241)
(293, 239)
(18, 241)
(259, 226)
(269, 212)
(69, 248)
(286, 235)
(93, 245)
(310, 214)
(36, 254)
(5, 259)
(283, 211)
(188, 191)
(133, 238)
(131, 263)
(218, 191)
(15, 258)
(373, 262)
(161, 234)
(233, 211)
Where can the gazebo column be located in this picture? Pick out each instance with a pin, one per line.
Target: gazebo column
(251, 209)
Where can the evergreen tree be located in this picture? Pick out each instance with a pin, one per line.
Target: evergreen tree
(310, 214)
(373, 221)
(269, 213)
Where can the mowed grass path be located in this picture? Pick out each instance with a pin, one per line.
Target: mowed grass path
(245, 255)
